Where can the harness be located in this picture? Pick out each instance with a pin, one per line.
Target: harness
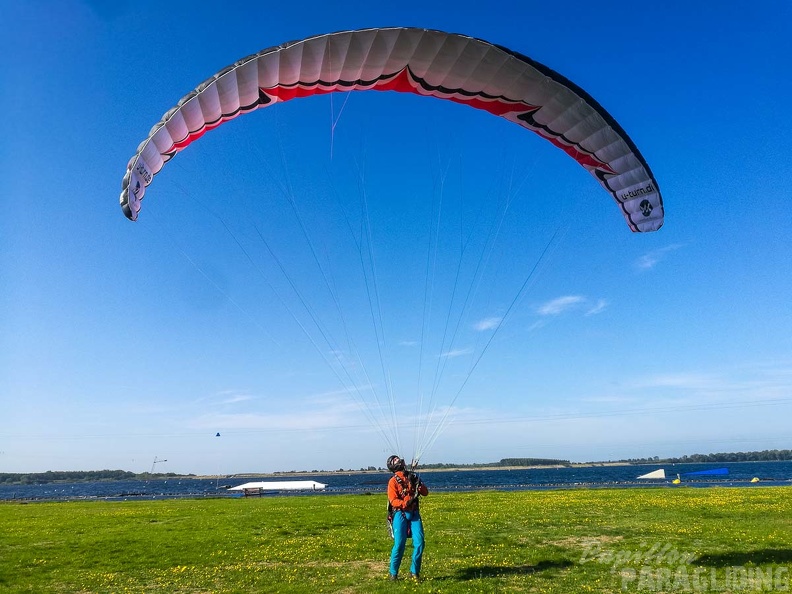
(404, 489)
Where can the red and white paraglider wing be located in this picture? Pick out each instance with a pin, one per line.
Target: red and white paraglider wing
(431, 63)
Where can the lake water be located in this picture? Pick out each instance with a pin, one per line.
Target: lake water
(740, 475)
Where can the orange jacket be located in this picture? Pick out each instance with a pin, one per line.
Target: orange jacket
(401, 494)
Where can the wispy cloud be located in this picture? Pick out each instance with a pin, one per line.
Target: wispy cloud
(567, 303)
(537, 324)
(651, 259)
(224, 397)
(338, 392)
(236, 399)
(332, 409)
(341, 394)
(344, 359)
(685, 381)
(298, 421)
(487, 324)
(597, 307)
(559, 305)
(455, 353)
(748, 383)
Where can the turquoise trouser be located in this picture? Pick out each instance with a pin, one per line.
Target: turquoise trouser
(400, 522)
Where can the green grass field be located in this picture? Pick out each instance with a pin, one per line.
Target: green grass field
(610, 540)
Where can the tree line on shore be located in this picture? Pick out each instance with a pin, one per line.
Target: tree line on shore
(762, 456)
(504, 462)
(54, 476)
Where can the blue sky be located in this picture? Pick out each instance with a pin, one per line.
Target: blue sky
(122, 342)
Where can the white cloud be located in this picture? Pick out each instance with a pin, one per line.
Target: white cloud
(298, 421)
(567, 303)
(333, 409)
(746, 385)
(487, 324)
(685, 381)
(344, 359)
(650, 259)
(536, 325)
(559, 305)
(236, 399)
(598, 307)
(327, 396)
(456, 353)
(224, 397)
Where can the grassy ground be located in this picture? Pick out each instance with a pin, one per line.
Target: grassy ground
(613, 540)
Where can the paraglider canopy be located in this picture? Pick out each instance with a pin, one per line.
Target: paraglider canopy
(424, 62)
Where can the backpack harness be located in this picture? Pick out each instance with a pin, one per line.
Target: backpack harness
(404, 489)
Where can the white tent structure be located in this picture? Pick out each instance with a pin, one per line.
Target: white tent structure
(258, 488)
(655, 474)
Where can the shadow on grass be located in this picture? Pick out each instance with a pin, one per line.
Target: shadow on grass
(489, 571)
(735, 558)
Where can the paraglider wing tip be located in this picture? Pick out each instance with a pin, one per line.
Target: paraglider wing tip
(129, 209)
(128, 213)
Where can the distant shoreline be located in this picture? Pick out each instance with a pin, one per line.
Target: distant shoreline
(573, 465)
(287, 473)
(65, 476)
